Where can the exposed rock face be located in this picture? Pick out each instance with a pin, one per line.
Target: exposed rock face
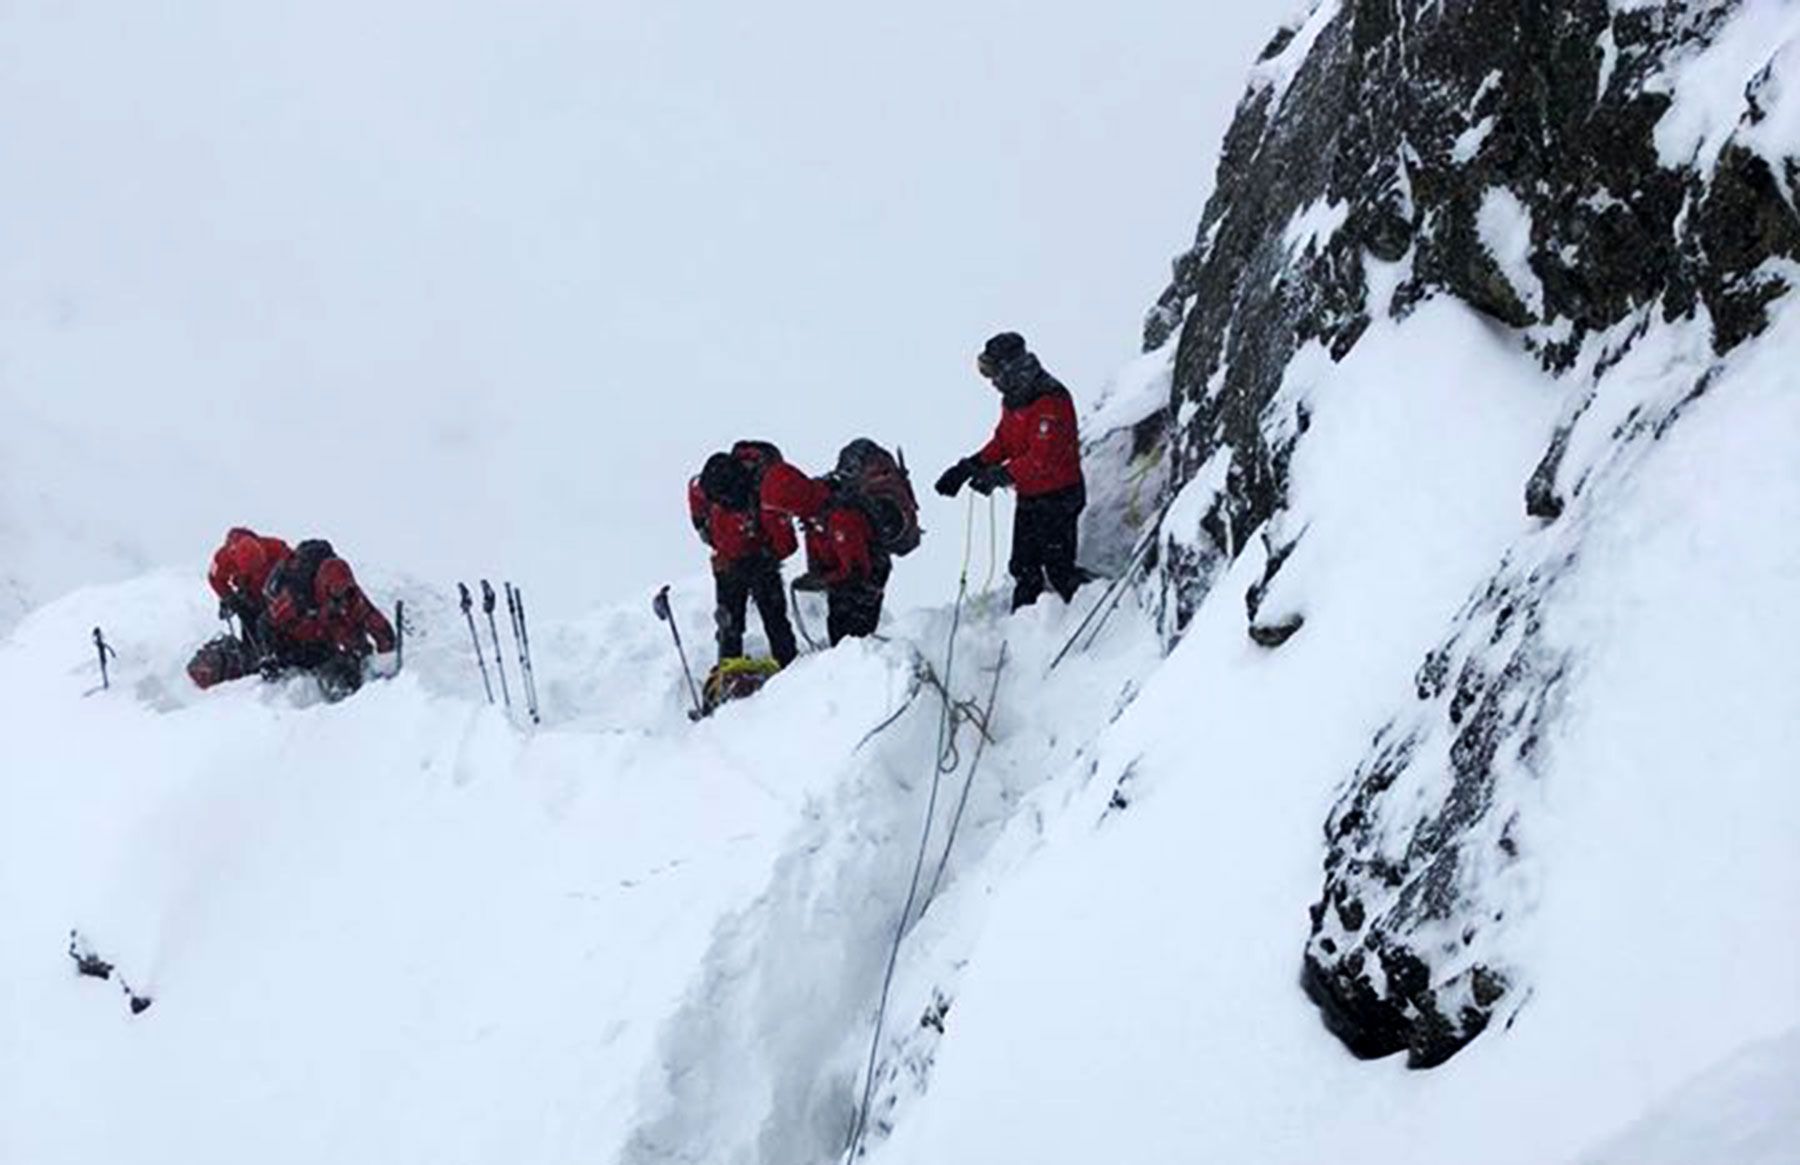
(1435, 135)
(1522, 157)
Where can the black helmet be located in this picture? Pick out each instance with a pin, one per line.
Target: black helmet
(726, 481)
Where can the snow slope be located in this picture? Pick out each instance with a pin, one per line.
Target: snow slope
(1134, 998)
(404, 928)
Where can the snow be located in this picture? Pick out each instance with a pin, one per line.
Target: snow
(1745, 1110)
(1467, 146)
(1775, 135)
(408, 927)
(1504, 226)
(1146, 967)
(1277, 74)
(1707, 90)
(1609, 62)
(1315, 223)
(1137, 391)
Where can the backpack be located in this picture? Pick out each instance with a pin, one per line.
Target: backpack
(293, 579)
(876, 482)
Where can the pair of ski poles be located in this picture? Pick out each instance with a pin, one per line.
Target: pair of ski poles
(515, 609)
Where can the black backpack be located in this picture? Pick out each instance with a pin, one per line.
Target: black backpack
(296, 574)
(876, 482)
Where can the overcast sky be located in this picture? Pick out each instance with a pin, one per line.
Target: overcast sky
(474, 287)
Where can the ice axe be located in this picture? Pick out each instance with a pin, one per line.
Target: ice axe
(104, 649)
(660, 604)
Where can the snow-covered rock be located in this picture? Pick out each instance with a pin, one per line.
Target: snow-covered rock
(1611, 186)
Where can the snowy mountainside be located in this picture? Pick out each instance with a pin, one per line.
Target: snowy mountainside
(1453, 706)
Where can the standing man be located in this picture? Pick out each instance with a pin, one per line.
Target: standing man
(748, 545)
(1036, 450)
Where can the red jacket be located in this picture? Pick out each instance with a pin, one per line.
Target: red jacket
(736, 535)
(342, 616)
(1039, 443)
(242, 565)
(840, 546)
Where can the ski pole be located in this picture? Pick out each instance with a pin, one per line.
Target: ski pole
(660, 604)
(104, 649)
(399, 636)
(515, 610)
(487, 605)
(468, 610)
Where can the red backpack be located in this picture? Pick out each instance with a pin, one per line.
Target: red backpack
(876, 482)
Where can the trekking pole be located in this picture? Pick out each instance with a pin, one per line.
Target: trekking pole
(660, 604)
(487, 605)
(515, 607)
(104, 649)
(468, 610)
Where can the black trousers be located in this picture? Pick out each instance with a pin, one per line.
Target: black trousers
(854, 611)
(1043, 546)
(760, 579)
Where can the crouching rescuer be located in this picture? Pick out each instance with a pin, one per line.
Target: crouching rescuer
(308, 614)
(857, 520)
(1036, 450)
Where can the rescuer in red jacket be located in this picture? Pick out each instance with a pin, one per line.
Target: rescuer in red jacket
(299, 608)
(240, 570)
(842, 557)
(319, 620)
(748, 545)
(1036, 449)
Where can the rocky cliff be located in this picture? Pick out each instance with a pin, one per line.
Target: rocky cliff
(1610, 184)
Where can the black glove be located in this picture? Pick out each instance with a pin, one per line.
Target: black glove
(989, 478)
(954, 478)
(809, 582)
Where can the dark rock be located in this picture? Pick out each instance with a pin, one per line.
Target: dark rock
(1275, 634)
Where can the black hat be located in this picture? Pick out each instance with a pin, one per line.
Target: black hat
(726, 481)
(998, 350)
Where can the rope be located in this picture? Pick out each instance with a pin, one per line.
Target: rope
(945, 745)
(993, 543)
(962, 801)
(912, 694)
(1116, 589)
(800, 618)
